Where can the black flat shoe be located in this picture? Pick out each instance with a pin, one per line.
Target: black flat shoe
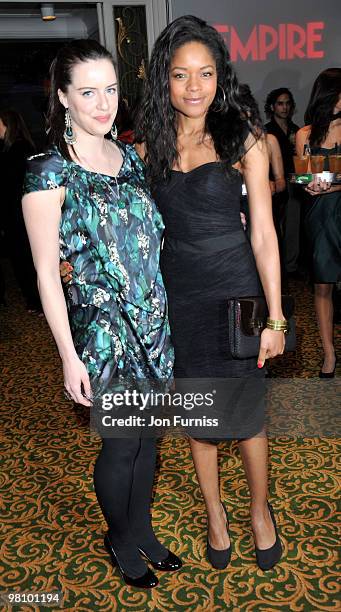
(170, 564)
(328, 374)
(219, 559)
(147, 581)
(268, 557)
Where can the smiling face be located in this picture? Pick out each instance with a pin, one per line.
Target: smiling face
(92, 97)
(192, 80)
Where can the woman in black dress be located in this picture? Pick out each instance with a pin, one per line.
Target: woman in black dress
(198, 136)
(323, 217)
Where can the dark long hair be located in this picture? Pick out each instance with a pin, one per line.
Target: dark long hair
(156, 124)
(16, 129)
(272, 98)
(75, 52)
(324, 97)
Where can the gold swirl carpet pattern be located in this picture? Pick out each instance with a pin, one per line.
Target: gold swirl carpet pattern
(52, 528)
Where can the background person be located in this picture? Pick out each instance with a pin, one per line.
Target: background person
(17, 146)
(279, 108)
(278, 188)
(276, 169)
(323, 214)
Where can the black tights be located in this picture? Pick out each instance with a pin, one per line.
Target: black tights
(123, 478)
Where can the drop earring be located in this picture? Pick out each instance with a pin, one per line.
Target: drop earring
(69, 135)
(113, 132)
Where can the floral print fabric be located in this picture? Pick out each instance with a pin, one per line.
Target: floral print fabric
(110, 233)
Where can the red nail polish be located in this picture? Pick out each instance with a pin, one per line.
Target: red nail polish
(259, 364)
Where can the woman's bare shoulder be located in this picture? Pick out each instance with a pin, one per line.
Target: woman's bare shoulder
(271, 139)
(304, 131)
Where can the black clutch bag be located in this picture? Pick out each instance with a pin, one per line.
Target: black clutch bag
(246, 320)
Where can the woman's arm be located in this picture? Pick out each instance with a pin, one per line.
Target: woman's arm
(42, 212)
(264, 242)
(276, 162)
(302, 138)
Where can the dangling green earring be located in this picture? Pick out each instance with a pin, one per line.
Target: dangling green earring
(113, 132)
(69, 135)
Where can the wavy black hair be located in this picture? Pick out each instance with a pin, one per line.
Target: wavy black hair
(323, 99)
(272, 97)
(71, 54)
(249, 102)
(156, 124)
(16, 128)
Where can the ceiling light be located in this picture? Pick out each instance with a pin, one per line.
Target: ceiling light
(47, 12)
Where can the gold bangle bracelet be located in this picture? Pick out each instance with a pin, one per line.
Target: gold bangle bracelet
(277, 325)
(282, 328)
(276, 321)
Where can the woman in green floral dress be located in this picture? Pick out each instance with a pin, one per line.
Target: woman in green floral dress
(86, 202)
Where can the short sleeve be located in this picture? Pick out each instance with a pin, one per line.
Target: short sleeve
(247, 140)
(45, 171)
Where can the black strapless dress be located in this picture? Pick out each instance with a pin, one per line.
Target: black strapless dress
(323, 229)
(206, 259)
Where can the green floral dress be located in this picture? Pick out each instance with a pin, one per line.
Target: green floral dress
(110, 233)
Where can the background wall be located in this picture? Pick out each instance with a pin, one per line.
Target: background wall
(275, 43)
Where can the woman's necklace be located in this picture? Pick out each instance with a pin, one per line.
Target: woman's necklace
(99, 174)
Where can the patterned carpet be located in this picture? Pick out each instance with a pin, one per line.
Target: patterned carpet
(52, 529)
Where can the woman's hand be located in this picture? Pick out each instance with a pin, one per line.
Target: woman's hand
(65, 269)
(272, 343)
(317, 186)
(77, 382)
(280, 184)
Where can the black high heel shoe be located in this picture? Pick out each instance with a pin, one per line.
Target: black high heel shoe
(328, 374)
(147, 581)
(170, 564)
(219, 559)
(268, 557)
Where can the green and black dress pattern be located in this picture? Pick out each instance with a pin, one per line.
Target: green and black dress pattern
(110, 232)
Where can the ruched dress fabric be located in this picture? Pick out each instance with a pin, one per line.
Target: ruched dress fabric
(206, 259)
(111, 234)
(323, 229)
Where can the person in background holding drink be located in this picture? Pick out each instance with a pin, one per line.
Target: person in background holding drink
(323, 218)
